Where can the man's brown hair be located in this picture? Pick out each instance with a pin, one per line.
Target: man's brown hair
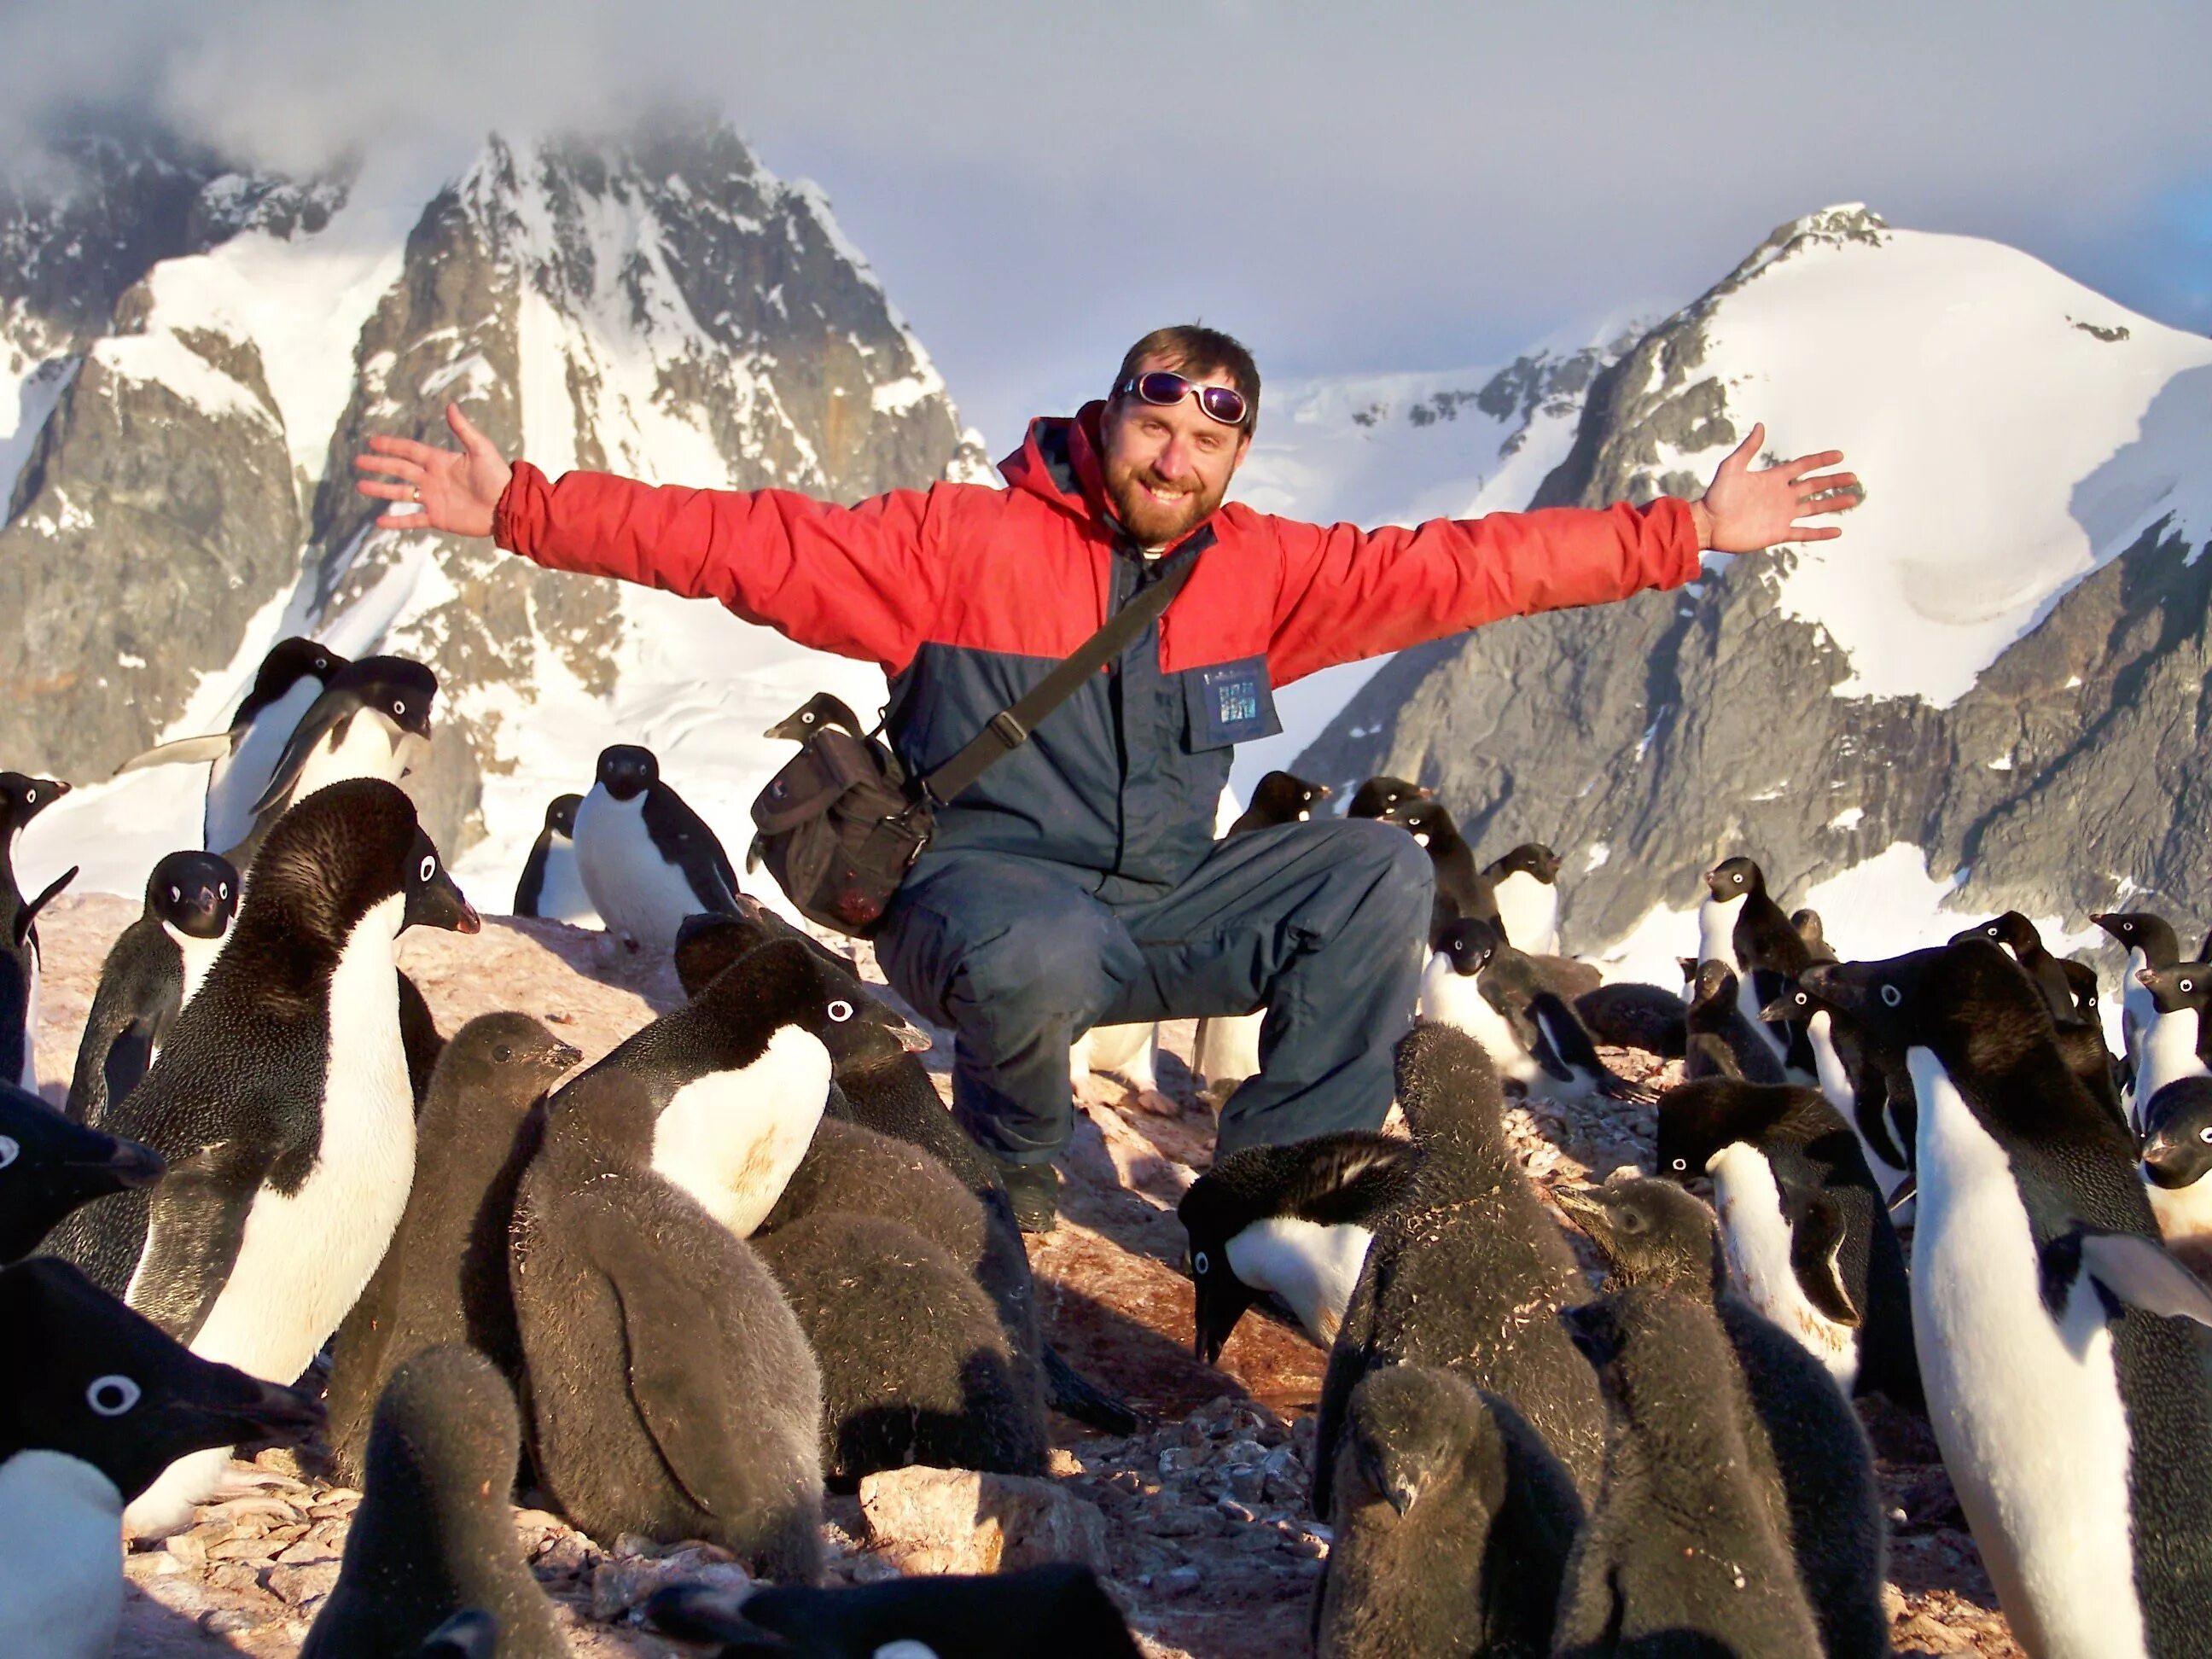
(1195, 350)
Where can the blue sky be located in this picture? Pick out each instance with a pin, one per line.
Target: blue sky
(1389, 186)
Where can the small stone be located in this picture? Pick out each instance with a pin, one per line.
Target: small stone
(294, 1585)
(1180, 1460)
(187, 1552)
(1176, 1582)
(1235, 1512)
(1062, 1463)
(1244, 1453)
(227, 1621)
(1248, 1483)
(938, 1520)
(1305, 1546)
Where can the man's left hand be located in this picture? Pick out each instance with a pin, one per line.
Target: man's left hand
(1745, 510)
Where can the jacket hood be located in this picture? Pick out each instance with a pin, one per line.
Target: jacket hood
(1059, 462)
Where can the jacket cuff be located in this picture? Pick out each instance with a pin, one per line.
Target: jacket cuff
(518, 521)
(1673, 519)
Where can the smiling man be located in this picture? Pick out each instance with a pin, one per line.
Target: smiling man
(1078, 882)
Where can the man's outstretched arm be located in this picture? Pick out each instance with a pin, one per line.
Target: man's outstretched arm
(1350, 594)
(861, 581)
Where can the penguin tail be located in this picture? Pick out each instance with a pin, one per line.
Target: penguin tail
(1073, 1394)
(1614, 1086)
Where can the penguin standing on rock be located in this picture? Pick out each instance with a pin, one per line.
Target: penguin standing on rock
(1525, 886)
(283, 1107)
(1453, 1525)
(49, 1166)
(153, 969)
(647, 859)
(443, 1279)
(2075, 1415)
(1466, 1268)
(1721, 1041)
(1461, 889)
(1739, 923)
(371, 719)
(551, 887)
(1874, 1098)
(243, 759)
(2148, 939)
(671, 1391)
(435, 1533)
(109, 1402)
(21, 799)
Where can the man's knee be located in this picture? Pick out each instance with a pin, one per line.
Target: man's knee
(1392, 865)
(981, 964)
(1053, 963)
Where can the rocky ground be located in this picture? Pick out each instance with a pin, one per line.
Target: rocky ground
(1198, 1521)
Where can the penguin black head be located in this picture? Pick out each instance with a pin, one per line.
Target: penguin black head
(1650, 1232)
(1711, 984)
(194, 892)
(707, 943)
(1531, 858)
(1285, 799)
(1468, 944)
(506, 1057)
(399, 688)
(1952, 1000)
(111, 1389)
(818, 711)
(786, 983)
(1426, 820)
(560, 815)
(2081, 980)
(1735, 878)
(1446, 1083)
(49, 1166)
(2178, 1133)
(1698, 1120)
(23, 799)
(1411, 1428)
(1377, 796)
(627, 771)
(2012, 930)
(288, 662)
(344, 850)
(2177, 989)
(2144, 930)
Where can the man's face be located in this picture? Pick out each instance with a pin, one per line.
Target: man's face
(1168, 466)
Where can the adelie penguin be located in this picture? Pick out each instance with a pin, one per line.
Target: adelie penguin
(1464, 1269)
(443, 1279)
(1721, 1041)
(434, 1533)
(1291, 1222)
(2172, 1036)
(371, 719)
(1525, 886)
(1874, 1098)
(2148, 939)
(551, 887)
(1282, 798)
(2075, 1414)
(1453, 1524)
(2069, 990)
(648, 860)
(283, 1107)
(1655, 1233)
(1808, 1233)
(110, 1402)
(1686, 1551)
(241, 760)
(152, 971)
(21, 799)
(1056, 1612)
(1739, 923)
(1377, 796)
(672, 1393)
(49, 1166)
(2177, 1156)
(1480, 985)
(1461, 889)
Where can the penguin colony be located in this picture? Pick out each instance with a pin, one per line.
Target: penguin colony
(747, 1258)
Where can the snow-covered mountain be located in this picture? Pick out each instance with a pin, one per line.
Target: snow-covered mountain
(1993, 681)
(177, 465)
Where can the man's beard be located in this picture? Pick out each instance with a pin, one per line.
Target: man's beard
(1151, 523)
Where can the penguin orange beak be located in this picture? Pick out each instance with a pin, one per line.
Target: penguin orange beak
(912, 1038)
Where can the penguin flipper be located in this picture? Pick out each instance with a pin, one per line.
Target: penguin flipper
(1347, 1179)
(184, 752)
(128, 1057)
(327, 715)
(195, 1222)
(2128, 1268)
(1073, 1394)
(1816, 1245)
(27, 920)
(700, 1613)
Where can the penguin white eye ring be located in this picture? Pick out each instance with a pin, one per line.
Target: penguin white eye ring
(1681, 1163)
(222, 890)
(2204, 1134)
(429, 866)
(1200, 1265)
(9, 1151)
(399, 706)
(2188, 985)
(840, 1011)
(1891, 996)
(30, 798)
(111, 1396)
(175, 893)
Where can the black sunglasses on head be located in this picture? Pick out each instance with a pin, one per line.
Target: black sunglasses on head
(1224, 404)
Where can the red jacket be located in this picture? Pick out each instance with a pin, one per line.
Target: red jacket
(964, 595)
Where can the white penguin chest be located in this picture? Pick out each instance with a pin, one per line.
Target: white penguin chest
(1311, 1266)
(2185, 1213)
(236, 780)
(61, 1542)
(1758, 1236)
(561, 895)
(1530, 910)
(1717, 920)
(2168, 1054)
(370, 747)
(1451, 998)
(195, 956)
(2027, 1412)
(732, 1139)
(29, 1079)
(642, 898)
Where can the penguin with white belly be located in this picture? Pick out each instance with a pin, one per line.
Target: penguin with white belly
(1525, 884)
(243, 759)
(552, 888)
(370, 721)
(2073, 1411)
(2149, 939)
(21, 799)
(283, 1107)
(153, 969)
(648, 860)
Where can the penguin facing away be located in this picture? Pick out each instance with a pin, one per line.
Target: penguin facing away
(2074, 1412)
(21, 799)
(370, 720)
(443, 1279)
(1654, 1232)
(671, 1391)
(1685, 1550)
(551, 887)
(1055, 1612)
(109, 1403)
(434, 1533)
(1288, 1221)
(286, 1175)
(153, 969)
(1525, 885)
(243, 759)
(648, 860)
(1635, 1016)
(49, 1166)
(1453, 1525)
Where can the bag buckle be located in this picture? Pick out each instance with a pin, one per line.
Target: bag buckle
(1008, 730)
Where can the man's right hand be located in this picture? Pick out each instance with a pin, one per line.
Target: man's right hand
(458, 490)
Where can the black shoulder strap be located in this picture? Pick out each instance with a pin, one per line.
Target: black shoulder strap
(1009, 728)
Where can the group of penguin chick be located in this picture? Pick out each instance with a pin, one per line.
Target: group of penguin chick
(1513, 1465)
(746, 1254)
